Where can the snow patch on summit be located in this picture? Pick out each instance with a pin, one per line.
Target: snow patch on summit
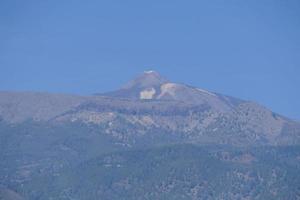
(147, 93)
(149, 72)
(168, 88)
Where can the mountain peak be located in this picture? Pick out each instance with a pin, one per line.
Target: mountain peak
(150, 72)
(151, 85)
(147, 79)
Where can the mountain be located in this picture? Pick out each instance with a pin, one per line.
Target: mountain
(150, 139)
(151, 104)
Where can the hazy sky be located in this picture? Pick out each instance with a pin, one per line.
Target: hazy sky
(247, 49)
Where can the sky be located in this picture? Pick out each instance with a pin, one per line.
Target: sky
(245, 49)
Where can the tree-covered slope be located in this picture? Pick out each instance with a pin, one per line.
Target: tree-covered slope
(178, 172)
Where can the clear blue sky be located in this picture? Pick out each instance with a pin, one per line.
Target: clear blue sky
(248, 49)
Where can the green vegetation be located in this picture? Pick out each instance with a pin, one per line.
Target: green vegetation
(76, 161)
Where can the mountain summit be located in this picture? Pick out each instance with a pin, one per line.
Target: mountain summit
(144, 86)
(146, 80)
(152, 86)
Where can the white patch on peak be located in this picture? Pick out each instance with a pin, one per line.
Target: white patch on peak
(168, 88)
(147, 93)
(205, 91)
(149, 72)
